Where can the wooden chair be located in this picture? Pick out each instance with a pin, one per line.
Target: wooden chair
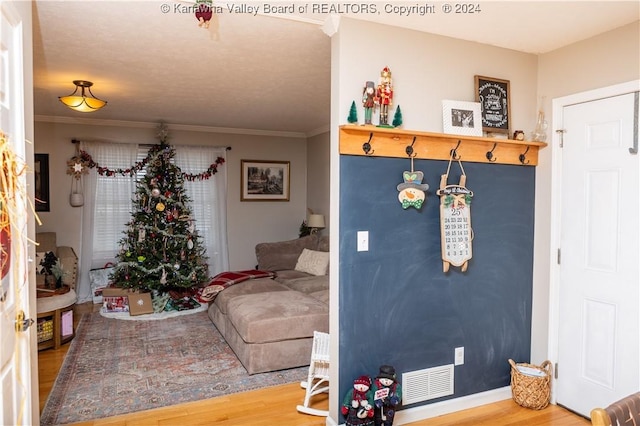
(318, 378)
(625, 412)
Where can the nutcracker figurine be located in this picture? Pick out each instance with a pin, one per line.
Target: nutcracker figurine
(384, 95)
(368, 100)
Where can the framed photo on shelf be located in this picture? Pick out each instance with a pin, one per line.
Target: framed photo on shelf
(461, 118)
(495, 103)
(41, 177)
(264, 180)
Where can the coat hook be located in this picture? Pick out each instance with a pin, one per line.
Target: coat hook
(409, 149)
(490, 154)
(366, 147)
(523, 156)
(454, 152)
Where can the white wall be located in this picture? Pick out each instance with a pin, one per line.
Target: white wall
(318, 174)
(428, 69)
(248, 222)
(601, 61)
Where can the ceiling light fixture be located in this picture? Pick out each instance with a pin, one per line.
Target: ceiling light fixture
(82, 102)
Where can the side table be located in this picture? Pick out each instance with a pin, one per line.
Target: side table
(55, 317)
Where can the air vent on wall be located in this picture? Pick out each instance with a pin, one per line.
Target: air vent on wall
(430, 383)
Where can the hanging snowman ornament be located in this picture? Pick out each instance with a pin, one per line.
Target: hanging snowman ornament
(412, 190)
(455, 221)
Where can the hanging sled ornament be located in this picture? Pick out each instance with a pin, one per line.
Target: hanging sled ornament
(455, 220)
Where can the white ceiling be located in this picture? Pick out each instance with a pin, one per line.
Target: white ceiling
(258, 73)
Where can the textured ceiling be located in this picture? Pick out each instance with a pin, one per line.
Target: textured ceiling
(152, 62)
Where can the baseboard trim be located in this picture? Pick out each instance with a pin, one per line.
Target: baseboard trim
(446, 407)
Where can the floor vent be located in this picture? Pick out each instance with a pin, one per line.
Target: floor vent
(430, 383)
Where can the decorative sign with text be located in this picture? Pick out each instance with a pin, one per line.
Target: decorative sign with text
(495, 105)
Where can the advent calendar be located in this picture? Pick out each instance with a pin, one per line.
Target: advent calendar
(455, 222)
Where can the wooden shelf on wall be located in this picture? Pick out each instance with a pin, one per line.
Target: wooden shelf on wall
(393, 142)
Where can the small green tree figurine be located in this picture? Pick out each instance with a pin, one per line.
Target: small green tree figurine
(397, 118)
(353, 113)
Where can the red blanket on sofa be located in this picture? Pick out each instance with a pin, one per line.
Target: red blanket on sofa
(227, 279)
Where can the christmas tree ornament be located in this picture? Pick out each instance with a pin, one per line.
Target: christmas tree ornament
(160, 207)
(455, 220)
(141, 259)
(155, 192)
(176, 266)
(412, 190)
(190, 244)
(141, 234)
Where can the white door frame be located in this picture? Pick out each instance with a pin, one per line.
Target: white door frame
(558, 105)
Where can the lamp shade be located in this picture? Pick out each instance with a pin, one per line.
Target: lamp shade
(81, 102)
(316, 221)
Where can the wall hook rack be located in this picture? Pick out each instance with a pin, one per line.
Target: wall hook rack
(409, 149)
(490, 155)
(393, 143)
(523, 157)
(366, 147)
(454, 151)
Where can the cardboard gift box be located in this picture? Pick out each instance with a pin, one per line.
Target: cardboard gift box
(115, 299)
(140, 303)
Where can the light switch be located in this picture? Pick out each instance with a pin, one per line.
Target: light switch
(363, 240)
(459, 356)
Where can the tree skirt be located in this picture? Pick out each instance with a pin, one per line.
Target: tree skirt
(117, 367)
(154, 316)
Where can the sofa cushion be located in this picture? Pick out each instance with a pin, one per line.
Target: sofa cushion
(313, 262)
(259, 285)
(283, 254)
(322, 295)
(308, 284)
(276, 316)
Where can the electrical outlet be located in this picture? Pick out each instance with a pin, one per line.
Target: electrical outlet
(363, 240)
(459, 356)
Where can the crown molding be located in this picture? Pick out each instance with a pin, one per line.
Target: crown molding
(185, 127)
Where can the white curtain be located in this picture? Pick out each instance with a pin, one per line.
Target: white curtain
(107, 208)
(208, 201)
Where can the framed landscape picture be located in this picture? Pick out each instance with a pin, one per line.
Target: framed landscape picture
(41, 178)
(495, 103)
(264, 180)
(461, 118)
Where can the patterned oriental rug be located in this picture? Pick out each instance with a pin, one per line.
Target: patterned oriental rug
(115, 367)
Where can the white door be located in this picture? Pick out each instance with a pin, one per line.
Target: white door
(15, 348)
(599, 324)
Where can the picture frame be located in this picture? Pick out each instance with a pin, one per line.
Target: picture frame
(461, 118)
(41, 182)
(262, 180)
(494, 97)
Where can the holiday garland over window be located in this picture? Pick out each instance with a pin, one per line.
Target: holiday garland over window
(161, 249)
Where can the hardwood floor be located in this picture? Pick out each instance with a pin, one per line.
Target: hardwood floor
(277, 405)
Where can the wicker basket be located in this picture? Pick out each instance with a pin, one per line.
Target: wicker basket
(531, 384)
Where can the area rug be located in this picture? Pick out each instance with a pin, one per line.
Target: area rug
(116, 367)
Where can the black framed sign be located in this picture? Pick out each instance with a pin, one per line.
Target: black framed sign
(495, 104)
(41, 172)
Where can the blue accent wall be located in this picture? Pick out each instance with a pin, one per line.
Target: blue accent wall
(398, 307)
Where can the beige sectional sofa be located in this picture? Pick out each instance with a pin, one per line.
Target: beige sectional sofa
(269, 322)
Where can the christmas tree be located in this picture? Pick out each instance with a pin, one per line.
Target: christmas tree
(397, 118)
(353, 113)
(161, 249)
